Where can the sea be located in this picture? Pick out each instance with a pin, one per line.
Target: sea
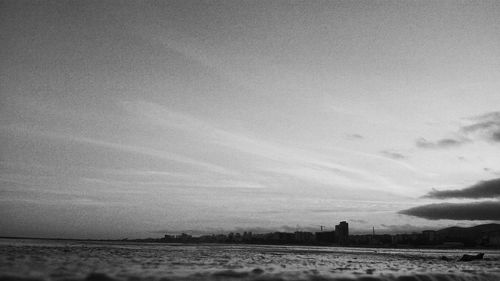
(58, 260)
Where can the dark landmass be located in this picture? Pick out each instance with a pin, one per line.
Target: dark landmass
(485, 236)
(482, 236)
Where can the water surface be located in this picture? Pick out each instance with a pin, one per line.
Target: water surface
(52, 260)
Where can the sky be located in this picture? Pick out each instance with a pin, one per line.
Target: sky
(139, 118)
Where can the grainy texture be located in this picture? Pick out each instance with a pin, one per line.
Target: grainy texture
(58, 260)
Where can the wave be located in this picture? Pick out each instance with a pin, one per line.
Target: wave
(259, 275)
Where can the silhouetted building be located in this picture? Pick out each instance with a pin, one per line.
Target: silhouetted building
(360, 239)
(404, 239)
(247, 236)
(282, 237)
(304, 237)
(183, 237)
(237, 238)
(342, 232)
(494, 238)
(325, 237)
(429, 237)
(380, 239)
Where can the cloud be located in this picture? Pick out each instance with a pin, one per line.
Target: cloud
(442, 143)
(355, 136)
(485, 210)
(241, 230)
(155, 153)
(358, 221)
(402, 228)
(485, 126)
(276, 158)
(392, 154)
(483, 189)
(496, 136)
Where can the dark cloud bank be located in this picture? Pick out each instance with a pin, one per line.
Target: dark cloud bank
(487, 210)
(484, 189)
(486, 126)
(484, 210)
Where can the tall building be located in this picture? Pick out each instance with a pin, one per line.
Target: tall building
(342, 232)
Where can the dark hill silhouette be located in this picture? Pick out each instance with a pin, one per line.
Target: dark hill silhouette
(468, 235)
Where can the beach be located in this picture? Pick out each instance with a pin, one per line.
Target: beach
(57, 260)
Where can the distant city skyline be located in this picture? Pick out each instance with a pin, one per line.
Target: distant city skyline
(129, 118)
(483, 235)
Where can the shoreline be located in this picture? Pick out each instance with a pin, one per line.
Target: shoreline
(146, 241)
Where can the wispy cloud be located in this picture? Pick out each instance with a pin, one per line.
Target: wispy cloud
(403, 228)
(379, 157)
(442, 143)
(485, 127)
(275, 157)
(161, 154)
(483, 189)
(241, 230)
(486, 210)
(393, 154)
(57, 197)
(355, 137)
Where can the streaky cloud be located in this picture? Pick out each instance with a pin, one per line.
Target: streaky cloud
(355, 137)
(155, 153)
(278, 158)
(393, 154)
(483, 189)
(485, 210)
(485, 126)
(404, 228)
(442, 143)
